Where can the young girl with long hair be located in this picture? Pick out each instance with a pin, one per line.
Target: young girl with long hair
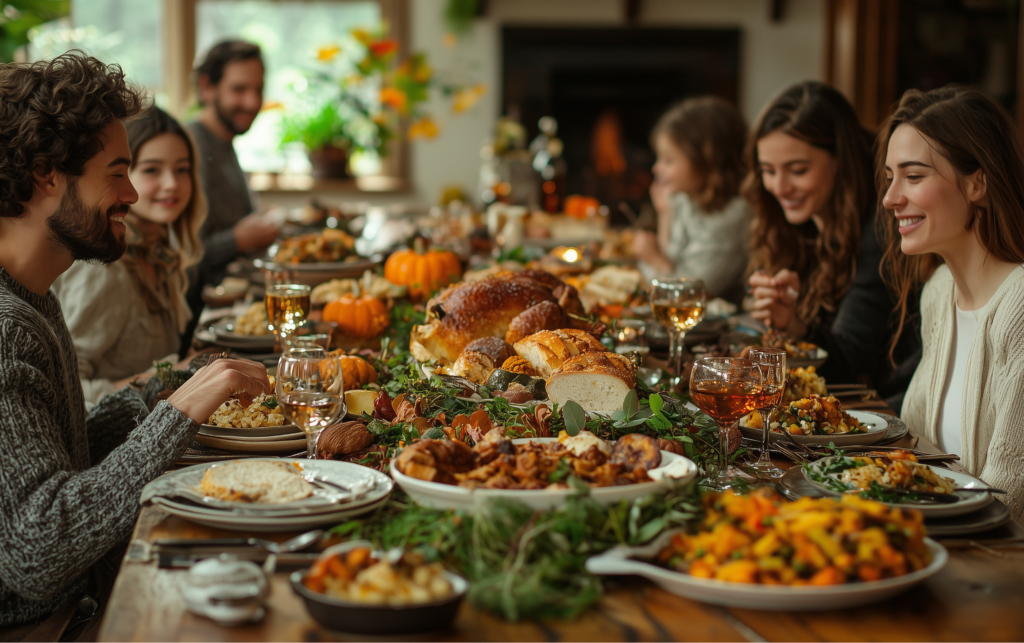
(703, 222)
(952, 170)
(125, 316)
(816, 252)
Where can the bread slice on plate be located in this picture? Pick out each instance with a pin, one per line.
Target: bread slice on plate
(256, 481)
(548, 349)
(596, 381)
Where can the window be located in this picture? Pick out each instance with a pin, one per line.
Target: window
(289, 33)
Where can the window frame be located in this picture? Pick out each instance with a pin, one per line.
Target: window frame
(179, 32)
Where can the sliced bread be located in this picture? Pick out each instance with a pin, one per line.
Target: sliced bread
(596, 381)
(548, 349)
(259, 481)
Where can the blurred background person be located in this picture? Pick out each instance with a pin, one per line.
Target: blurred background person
(952, 168)
(816, 248)
(128, 315)
(703, 222)
(230, 85)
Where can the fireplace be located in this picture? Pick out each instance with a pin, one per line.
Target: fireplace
(607, 87)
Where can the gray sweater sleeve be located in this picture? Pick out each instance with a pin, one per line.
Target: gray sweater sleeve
(55, 522)
(116, 415)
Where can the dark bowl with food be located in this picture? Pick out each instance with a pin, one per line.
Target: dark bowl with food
(381, 620)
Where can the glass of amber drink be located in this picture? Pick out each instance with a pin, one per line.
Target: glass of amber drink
(288, 306)
(678, 303)
(310, 390)
(726, 388)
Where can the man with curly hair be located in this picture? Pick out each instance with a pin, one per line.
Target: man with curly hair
(70, 481)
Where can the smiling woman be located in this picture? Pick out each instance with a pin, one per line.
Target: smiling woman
(951, 172)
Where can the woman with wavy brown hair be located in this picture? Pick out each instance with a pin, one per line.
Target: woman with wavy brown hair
(816, 252)
(951, 168)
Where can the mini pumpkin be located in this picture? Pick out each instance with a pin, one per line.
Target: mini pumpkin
(361, 317)
(422, 271)
(357, 371)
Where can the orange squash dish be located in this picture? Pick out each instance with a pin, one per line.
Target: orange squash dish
(762, 538)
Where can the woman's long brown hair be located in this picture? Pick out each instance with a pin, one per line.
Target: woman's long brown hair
(825, 260)
(973, 133)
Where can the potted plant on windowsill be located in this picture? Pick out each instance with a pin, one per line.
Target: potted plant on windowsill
(356, 99)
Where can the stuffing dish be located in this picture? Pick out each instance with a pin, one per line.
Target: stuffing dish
(328, 246)
(814, 415)
(795, 349)
(262, 411)
(253, 321)
(896, 470)
(764, 539)
(359, 576)
(497, 463)
(803, 383)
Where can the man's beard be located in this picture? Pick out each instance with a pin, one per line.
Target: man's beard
(86, 233)
(228, 122)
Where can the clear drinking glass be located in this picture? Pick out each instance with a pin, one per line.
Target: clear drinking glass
(772, 362)
(726, 388)
(287, 308)
(310, 391)
(631, 336)
(678, 303)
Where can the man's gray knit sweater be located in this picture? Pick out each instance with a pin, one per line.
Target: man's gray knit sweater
(69, 483)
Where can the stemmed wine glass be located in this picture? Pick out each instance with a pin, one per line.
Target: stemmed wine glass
(772, 362)
(310, 391)
(678, 303)
(726, 388)
(288, 306)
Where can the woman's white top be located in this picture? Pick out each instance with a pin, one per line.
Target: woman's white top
(953, 392)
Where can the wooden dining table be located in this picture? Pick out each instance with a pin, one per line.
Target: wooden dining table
(978, 595)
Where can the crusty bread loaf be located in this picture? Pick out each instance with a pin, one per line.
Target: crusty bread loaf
(548, 349)
(547, 315)
(259, 481)
(596, 381)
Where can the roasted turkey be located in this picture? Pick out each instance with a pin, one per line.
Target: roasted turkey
(508, 305)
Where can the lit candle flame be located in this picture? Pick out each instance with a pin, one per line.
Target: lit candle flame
(570, 255)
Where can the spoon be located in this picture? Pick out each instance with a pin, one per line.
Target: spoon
(300, 542)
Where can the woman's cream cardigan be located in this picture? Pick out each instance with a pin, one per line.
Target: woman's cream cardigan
(992, 415)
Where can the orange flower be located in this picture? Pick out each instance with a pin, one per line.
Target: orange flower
(327, 53)
(394, 97)
(423, 128)
(450, 40)
(270, 105)
(466, 98)
(382, 48)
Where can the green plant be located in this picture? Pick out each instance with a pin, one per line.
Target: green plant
(20, 16)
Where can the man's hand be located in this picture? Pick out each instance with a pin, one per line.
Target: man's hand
(212, 385)
(775, 300)
(254, 232)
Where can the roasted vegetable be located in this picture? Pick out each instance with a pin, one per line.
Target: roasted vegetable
(500, 380)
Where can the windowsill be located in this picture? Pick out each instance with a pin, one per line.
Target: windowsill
(266, 183)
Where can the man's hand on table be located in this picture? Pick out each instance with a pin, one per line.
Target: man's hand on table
(255, 231)
(212, 385)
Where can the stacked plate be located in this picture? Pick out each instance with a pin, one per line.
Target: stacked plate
(222, 333)
(265, 439)
(876, 428)
(343, 490)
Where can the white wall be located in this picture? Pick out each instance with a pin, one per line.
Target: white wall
(773, 56)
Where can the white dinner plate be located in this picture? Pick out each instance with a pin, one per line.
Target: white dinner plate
(446, 496)
(224, 332)
(258, 434)
(877, 426)
(624, 560)
(272, 523)
(184, 483)
(969, 500)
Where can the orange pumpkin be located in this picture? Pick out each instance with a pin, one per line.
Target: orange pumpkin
(422, 272)
(357, 371)
(361, 317)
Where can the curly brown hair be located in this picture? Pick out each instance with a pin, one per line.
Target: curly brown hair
(711, 132)
(51, 115)
(825, 260)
